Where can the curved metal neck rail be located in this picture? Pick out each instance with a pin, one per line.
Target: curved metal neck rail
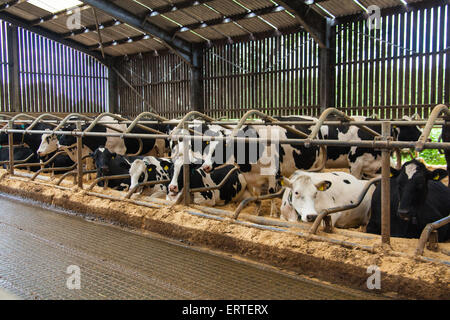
(427, 231)
(39, 119)
(341, 115)
(438, 110)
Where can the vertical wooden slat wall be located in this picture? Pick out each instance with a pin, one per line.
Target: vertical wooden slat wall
(53, 77)
(5, 104)
(277, 75)
(162, 80)
(397, 70)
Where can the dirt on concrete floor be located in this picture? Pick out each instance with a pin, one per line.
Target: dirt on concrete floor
(402, 276)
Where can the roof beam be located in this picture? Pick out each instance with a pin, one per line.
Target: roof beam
(119, 41)
(310, 20)
(180, 47)
(157, 11)
(91, 28)
(177, 6)
(19, 22)
(228, 19)
(10, 4)
(393, 10)
(57, 15)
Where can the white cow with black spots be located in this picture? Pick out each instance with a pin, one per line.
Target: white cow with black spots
(308, 193)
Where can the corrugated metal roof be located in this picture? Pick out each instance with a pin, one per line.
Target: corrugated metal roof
(191, 14)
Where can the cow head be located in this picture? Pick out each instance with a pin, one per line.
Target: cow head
(149, 169)
(220, 152)
(301, 193)
(102, 158)
(405, 132)
(49, 144)
(176, 173)
(66, 140)
(412, 180)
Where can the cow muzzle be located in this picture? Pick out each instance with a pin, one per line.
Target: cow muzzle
(173, 189)
(311, 217)
(403, 214)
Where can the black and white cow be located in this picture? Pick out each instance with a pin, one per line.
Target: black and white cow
(362, 162)
(50, 142)
(151, 169)
(308, 193)
(60, 161)
(235, 189)
(262, 163)
(111, 164)
(417, 198)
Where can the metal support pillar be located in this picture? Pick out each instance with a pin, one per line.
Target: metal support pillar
(327, 69)
(79, 157)
(196, 79)
(113, 92)
(11, 148)
(385, 186)
(186, 169)
(13, 57)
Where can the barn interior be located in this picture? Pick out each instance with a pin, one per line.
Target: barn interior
(225, 61)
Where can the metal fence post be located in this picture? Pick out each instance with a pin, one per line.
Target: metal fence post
(385, 186)
(79, 157)
(186, 168)
(11, 148)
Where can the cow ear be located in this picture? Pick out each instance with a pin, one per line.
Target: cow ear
(323, 185)
(437, 175)
(285, 182)
(394, 172)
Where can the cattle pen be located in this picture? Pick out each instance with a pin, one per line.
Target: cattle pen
(231, 64)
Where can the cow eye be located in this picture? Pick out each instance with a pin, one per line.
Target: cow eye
(296, 193)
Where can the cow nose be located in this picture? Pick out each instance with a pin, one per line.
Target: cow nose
(173, 188)
(311, 217)
(104, 169)
(207, 168)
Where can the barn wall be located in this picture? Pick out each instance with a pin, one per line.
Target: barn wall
(52, 77)
(278, 75)
(4, 69)
(399, 69)
(162, 80)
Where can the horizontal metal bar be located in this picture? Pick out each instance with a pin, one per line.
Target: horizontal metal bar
(314, 142)
(293, 122)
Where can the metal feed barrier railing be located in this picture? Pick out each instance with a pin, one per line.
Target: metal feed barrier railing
(383, 142)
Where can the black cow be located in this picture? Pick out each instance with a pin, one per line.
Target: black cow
(446, 138)
(60, 161)
(417, 198)
(20, 153)
(112, 164)
(32, 140)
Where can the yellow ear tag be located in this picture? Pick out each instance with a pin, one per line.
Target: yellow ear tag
(149, 169)
(436, 178)
(207, 142)
(390, 175)
(282, 182)
(166, 168)
(112, 158)
(322, 188)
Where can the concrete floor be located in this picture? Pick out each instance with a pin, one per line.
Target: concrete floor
(38, 245)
